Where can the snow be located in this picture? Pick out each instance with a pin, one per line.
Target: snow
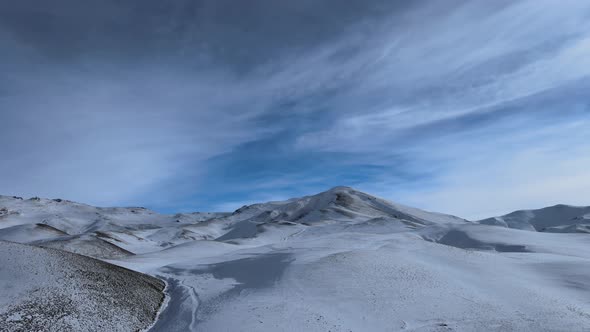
(340, 260)
(376, 282)
(52, 290)
(559, 218)
(133, 230)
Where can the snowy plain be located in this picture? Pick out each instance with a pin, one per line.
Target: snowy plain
(341, 260)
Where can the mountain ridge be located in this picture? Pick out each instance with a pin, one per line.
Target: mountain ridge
(294, 254)
(559, 218)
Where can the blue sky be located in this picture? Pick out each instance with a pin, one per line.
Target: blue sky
(474, 108)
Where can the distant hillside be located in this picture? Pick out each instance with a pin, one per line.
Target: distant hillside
(555, 219)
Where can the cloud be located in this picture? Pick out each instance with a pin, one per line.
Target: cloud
(457, 103)
(463, 64)
(192, 104)
(111, 108)
(550, 168)
(107, 138)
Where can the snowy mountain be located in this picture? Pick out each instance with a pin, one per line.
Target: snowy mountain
(94, 231)
(119, 232)
(340, 260)
(342, 206)
(554, 219)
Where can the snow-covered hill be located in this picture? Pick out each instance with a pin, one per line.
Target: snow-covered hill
(94, 231)
(342, 206)
(52, 290)
(555, 219)
(118, 232)
(341, 260)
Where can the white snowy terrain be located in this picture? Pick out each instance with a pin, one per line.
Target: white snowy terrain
(52, 290)
(555, 219)
(96, 232)
(341, 260)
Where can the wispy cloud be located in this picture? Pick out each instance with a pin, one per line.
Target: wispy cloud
(537, 168)
(194, 104)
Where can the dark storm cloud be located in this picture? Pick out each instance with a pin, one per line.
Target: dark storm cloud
(239, 34)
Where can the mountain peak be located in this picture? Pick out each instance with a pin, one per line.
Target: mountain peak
(341, 188)
(342, 204)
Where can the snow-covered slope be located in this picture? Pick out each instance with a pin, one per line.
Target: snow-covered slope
(117, 232)
(52, 290)
(464, 277)
(345, 261)
(339, 205)
(94, 231)
(341, 260)
(394, 282)
(87, 245)
(556, 219)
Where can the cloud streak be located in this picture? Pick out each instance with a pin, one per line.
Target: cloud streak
(193, 104)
